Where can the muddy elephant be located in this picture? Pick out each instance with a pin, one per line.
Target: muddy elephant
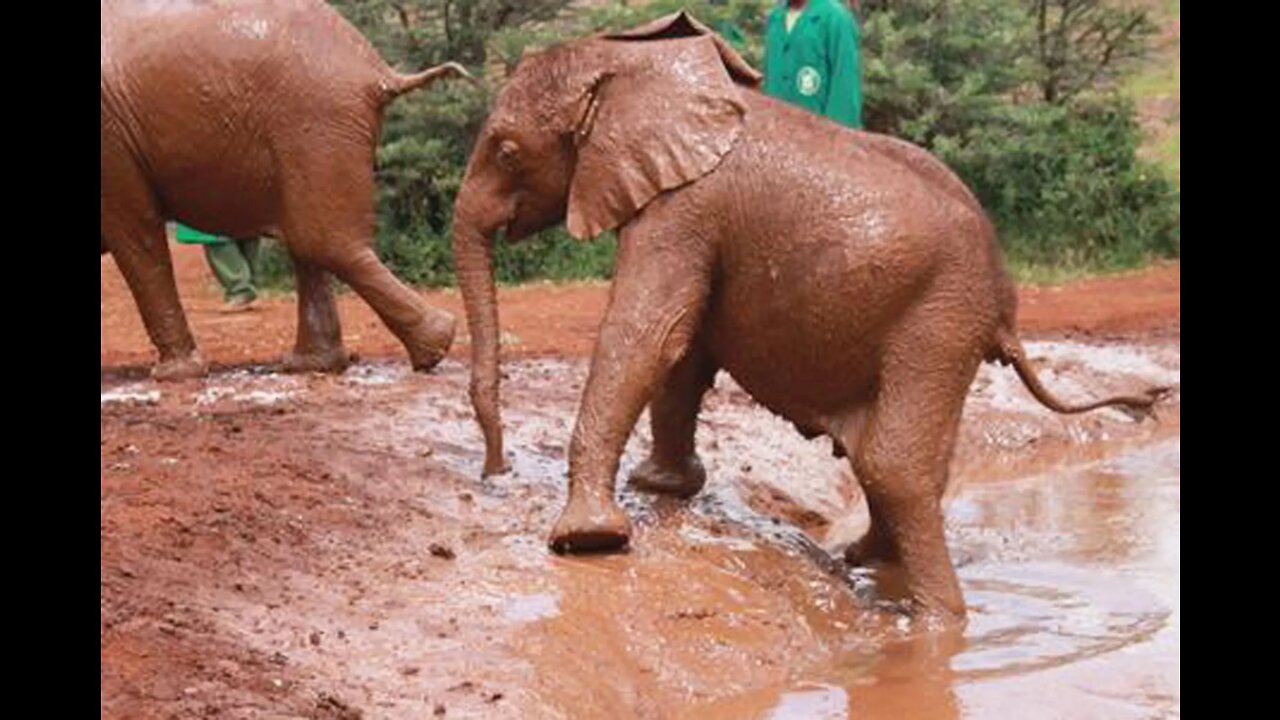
(847, 280)
(242, 118)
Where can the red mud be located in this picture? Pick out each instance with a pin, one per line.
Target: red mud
(321, 547)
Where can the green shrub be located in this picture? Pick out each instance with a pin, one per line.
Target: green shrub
(1015, 95)
(1065, 187)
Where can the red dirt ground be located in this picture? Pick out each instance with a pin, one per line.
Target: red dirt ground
(561, 320)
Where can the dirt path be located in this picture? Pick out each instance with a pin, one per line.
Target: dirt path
(561, 321)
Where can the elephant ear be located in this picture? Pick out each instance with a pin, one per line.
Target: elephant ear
(665, 118)
(681, 24)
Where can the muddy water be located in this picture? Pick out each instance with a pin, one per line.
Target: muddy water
(1072, 580)
(405, 587)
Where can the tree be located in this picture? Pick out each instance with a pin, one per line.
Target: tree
(1081, 43)
(1016, 95)
(427, 136)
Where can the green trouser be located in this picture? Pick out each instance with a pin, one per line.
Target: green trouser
(233, 263)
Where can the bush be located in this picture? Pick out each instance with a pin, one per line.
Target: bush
(426, 260)
(1065, 187)
(1054, 164)
(1012, 94)
(273, 268)
(555, 255)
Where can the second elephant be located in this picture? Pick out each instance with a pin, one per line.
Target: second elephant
(246, 118)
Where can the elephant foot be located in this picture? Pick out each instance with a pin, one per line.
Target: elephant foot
(871, 548)
(942, 611)
(495, 466)
(184, 368)
(432, 341)
(590, 525)
(683, 481)
(330, 360)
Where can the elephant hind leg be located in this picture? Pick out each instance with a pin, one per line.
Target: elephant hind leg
(319, 343)
(877, 545)
(133, 231)
(902, 458)
(674, 468)
(329, 222)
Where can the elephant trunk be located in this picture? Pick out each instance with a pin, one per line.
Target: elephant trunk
(473, 257)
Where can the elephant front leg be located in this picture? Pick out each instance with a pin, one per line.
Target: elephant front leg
(656, 305)
(144, 260)
(133, 230)
(319, 343)
(674, 468)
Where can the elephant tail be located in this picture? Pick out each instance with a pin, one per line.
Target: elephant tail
(396, 84)
(1010, 352)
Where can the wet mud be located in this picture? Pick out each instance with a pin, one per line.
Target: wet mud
(323, 547)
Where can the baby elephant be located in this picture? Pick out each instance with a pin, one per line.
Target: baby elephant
(847, 280)
(245, 118)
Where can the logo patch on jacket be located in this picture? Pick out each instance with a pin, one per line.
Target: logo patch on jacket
(808, 81)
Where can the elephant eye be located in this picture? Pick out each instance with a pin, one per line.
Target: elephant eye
(508, 154)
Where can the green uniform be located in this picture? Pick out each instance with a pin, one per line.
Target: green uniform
(232, 261)
(815, 64)
(191, 236)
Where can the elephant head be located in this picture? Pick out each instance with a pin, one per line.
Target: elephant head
(588, 133)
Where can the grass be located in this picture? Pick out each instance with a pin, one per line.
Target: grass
(1037, 274)
(1162, 78)
(1025, 272)
(1169, 154)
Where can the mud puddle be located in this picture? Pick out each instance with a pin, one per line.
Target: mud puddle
(1072, 581)
(322, 547)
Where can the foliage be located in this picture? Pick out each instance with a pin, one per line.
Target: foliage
(1015, 95)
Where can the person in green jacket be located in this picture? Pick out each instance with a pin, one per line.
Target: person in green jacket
(811, 59)
(232, 262)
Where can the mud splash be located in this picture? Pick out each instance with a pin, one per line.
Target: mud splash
(331, 553)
